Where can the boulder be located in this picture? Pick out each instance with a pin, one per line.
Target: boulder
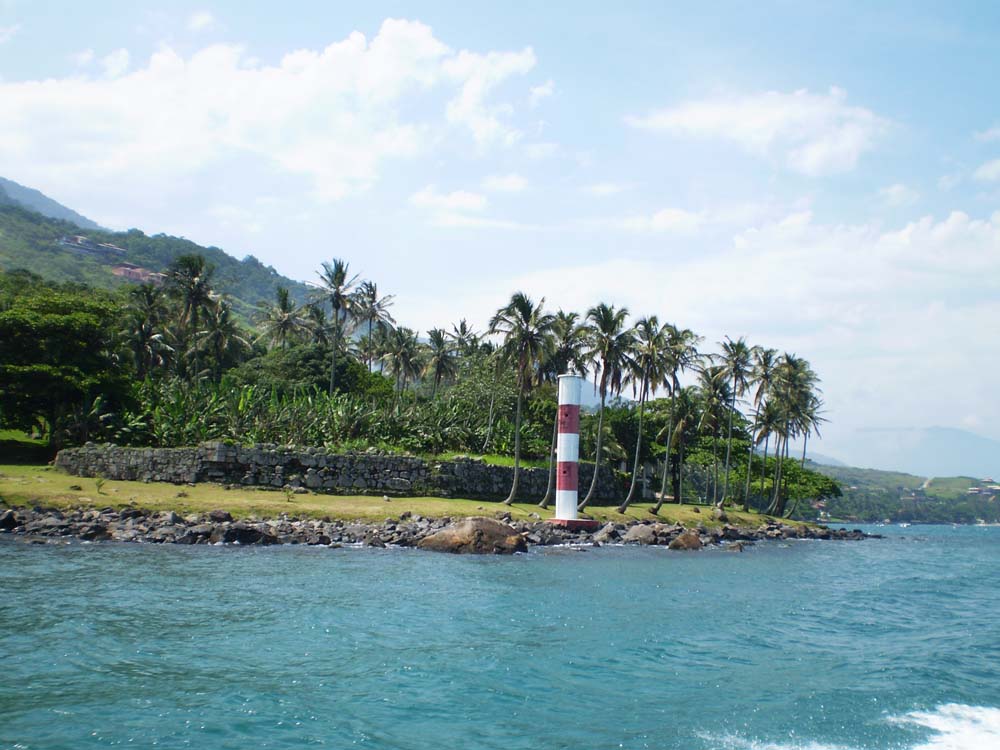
(687, 541)
(608, 533)
(641, 533)
(8, 520)
(219, 516)
(477, 535)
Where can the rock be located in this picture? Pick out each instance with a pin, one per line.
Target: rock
(219, 516)
(695, 510)
(477, 535)
(735, 547)
(641, 533)
(608, 533)
(242, 533)
(720, 515)
(689, 540)
(8, 520)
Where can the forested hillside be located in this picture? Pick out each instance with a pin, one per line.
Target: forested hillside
(30, 241)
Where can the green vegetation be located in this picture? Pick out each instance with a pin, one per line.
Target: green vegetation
(173, 365)
(22, 486)
(30, 241)
(874, 496)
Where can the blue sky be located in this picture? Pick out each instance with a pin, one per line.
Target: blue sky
(818, 177)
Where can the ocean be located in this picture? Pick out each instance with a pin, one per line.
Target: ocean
(809, 645)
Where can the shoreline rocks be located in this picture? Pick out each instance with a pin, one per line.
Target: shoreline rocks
(477, 535)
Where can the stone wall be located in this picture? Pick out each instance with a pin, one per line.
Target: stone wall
(314, 469)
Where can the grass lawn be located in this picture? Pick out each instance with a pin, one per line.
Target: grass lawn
(28, 485)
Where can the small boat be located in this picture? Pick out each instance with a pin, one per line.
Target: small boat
(904, 525)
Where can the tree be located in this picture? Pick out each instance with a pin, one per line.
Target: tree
(374, 311)
(145, 315)
(793, 390)
(569, 356)
(761, 375)
(400, 354)
(57, 357)
(649, 365)
(527, 339)
(738, 363)
(682, 429)
(464, 338)
(441, 363)
(221, 338)
(338, 290)
(609, 344)
(283, 322)
(714, 391)
(681, 353)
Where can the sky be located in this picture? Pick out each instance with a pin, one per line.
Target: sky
(820, 178)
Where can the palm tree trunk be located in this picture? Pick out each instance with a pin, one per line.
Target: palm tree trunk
(715, 470)
(493, 397)
(763, 470)
(597, 458)
(517, 441)
(368, 346)
(552, 464)
(333, 358)
(666, 458)
(777, 478)
(638, 446)
(805, 442)
(729, 443)
(680, 474)
(746, 488)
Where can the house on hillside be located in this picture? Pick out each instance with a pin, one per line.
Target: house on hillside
(138, 274)
(83, 245)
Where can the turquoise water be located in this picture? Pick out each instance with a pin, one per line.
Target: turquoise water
(889, 643)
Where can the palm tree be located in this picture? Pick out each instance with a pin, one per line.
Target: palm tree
(317, 324)
(681, 353)
(338, 290)
(527, 339)
(649, 365)
(737, 359)
(768, 423)
(762, 374)
(568, 357)
(401, 356)
(793, 390)
(190, 280)
(221, 337)
(374, 311)
(714, 389)
(283, 321)
(609, 344)
(465, 339)
(441, 363)
(145, 315)
(684, 418)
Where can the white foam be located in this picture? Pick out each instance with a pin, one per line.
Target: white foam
(957, 727)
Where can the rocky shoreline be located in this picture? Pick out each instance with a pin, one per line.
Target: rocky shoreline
(477, 535)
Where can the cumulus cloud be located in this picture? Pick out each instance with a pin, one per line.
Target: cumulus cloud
(812, 134)
(201, 20)
(675, 220)
(457, 200)
(507, 183)
(116, 63)
(7, 32)
(604, 188)
(991, 134)
(83, 57)
(537, 93)
(898, 195)
(988, 172)
(333, 116)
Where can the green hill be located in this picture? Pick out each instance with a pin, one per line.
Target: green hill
(873, 495)
(13, 194)
(31, 241)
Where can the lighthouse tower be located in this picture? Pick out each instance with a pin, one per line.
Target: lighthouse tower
(568, 454)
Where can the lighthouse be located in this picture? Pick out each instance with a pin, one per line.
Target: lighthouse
(568, 454)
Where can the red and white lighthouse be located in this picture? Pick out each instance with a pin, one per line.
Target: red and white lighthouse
(568, 447)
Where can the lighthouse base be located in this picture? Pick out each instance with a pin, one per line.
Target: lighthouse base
(575, 524)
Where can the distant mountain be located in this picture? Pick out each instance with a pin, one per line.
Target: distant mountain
(32, 241)
(819, 458)
(930, 451)
(41, 203)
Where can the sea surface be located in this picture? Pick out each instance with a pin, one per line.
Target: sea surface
(891, 643)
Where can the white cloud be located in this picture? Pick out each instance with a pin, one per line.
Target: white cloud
(989, 172)
(541, 150)
(605, 188)
(201, 20)
(949, 181)
(83, 57)
(898, 195)
(537, 93)
(991, 134)
(508, 183)
(7, 32)
(116, 63)
(333, 116)
(478, 75)
(812, 134)
(674, 220)
(457, 200)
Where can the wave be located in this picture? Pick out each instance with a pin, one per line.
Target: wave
(954, 726)
(957, 727)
